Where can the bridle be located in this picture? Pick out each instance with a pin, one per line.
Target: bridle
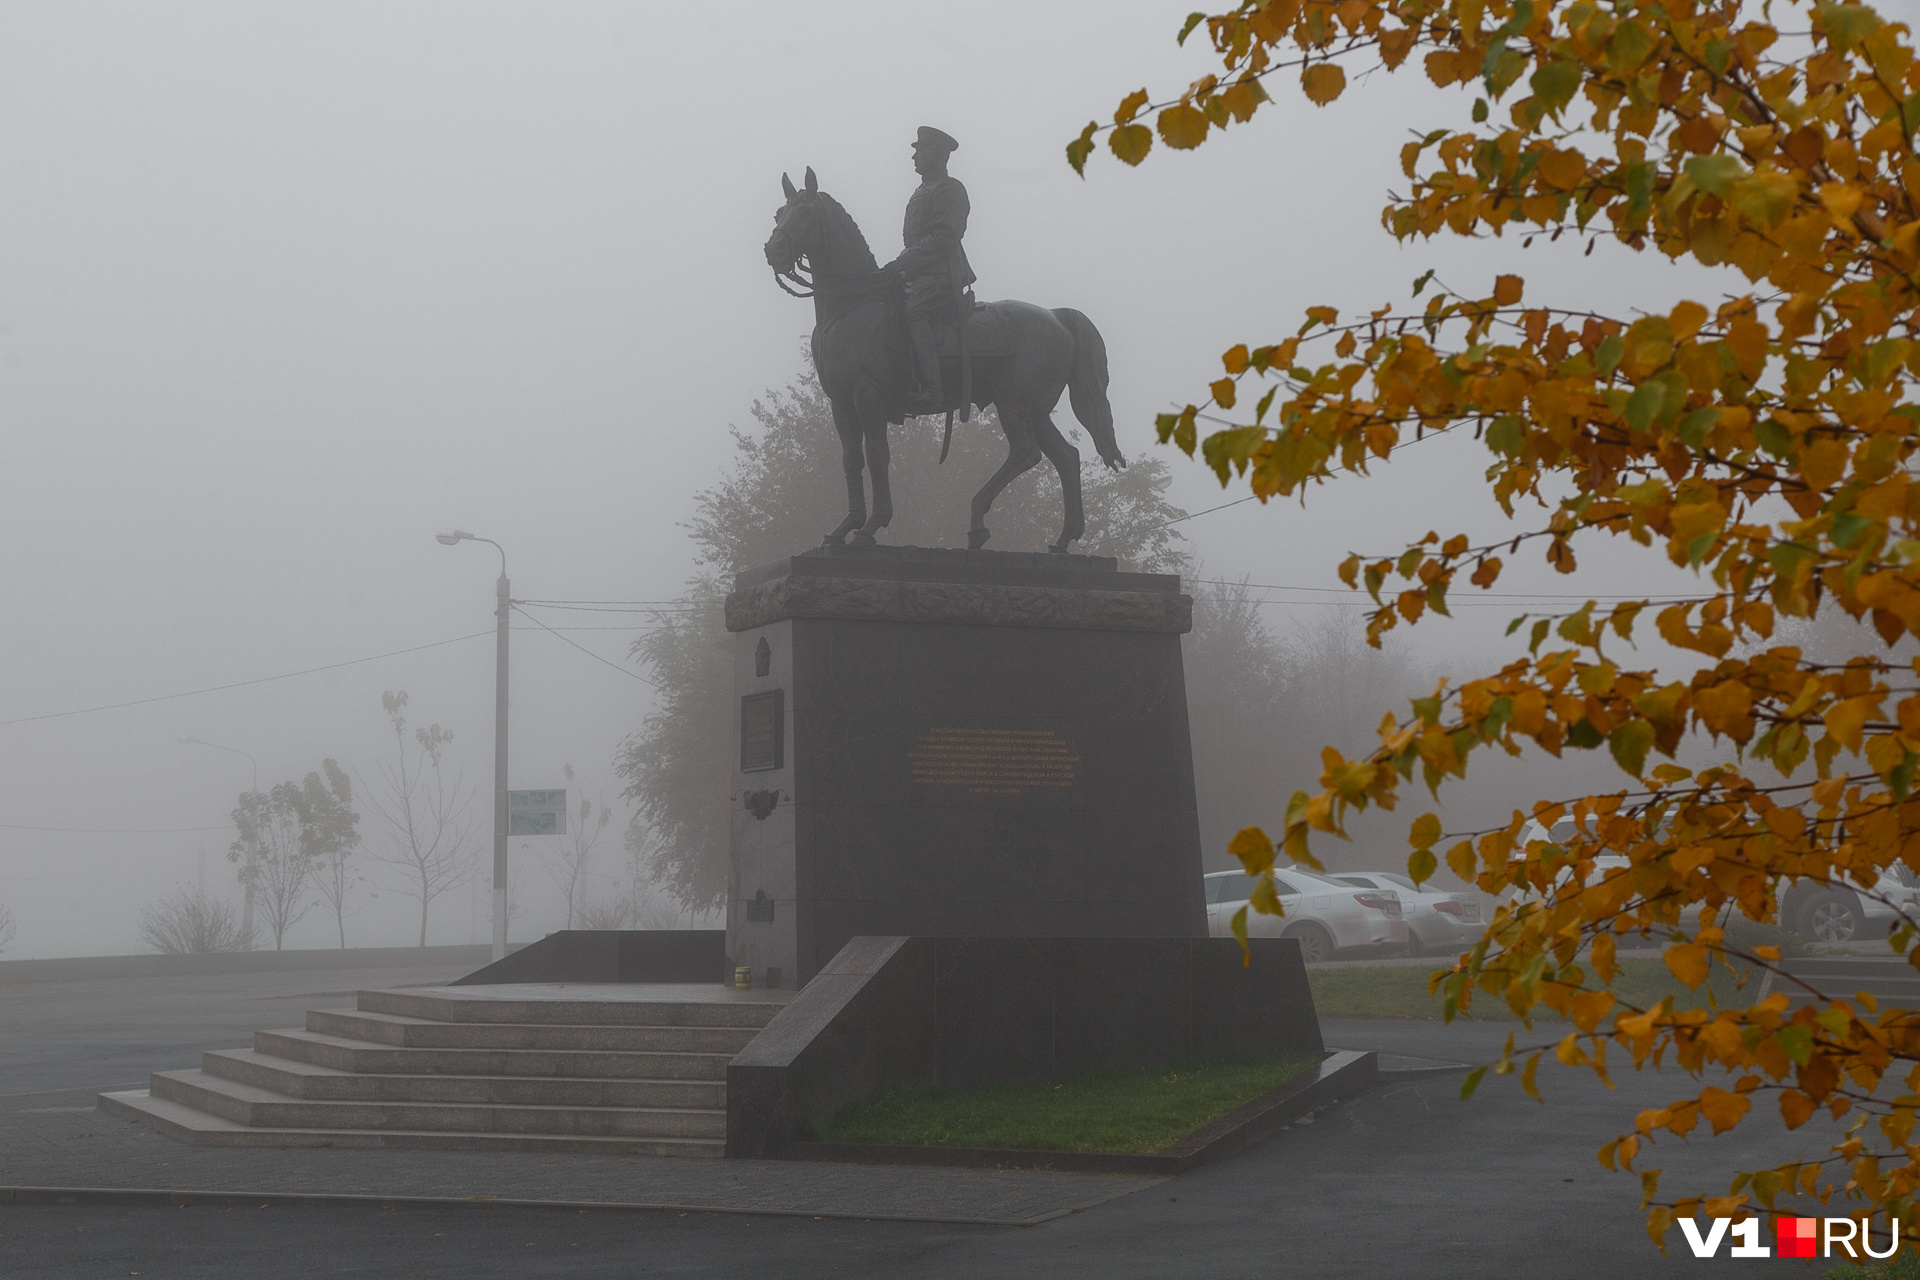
(807, 287)
(802, 280)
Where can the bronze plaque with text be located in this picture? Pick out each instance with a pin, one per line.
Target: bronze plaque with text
(762, 730)
(993, 762)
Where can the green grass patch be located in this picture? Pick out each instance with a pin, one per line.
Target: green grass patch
(1122, 1111)
(1400, 991)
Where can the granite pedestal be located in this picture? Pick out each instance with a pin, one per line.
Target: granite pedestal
(957, 744)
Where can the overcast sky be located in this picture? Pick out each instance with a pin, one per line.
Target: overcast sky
(284, 289)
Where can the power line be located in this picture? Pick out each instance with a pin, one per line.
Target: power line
(242, 684)
(582, 648)
(1191, 515)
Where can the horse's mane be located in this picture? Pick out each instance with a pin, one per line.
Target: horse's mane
(846, 233)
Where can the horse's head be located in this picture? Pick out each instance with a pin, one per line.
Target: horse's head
(797, 225)
(813, 226)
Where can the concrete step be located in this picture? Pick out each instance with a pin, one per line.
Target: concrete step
(486, 1004)
(1894, 968)
(1840, 977)
(305, 1080)
(347, 1054)
(263, 1108)
(200, 1128)
(428, 1033)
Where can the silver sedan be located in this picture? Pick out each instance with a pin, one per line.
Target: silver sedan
(1326, 917)
(1436, 921)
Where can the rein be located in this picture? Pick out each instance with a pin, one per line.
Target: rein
(807, 286)
(874, 283)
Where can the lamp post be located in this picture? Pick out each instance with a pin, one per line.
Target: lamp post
(502, 607)
(253, 848)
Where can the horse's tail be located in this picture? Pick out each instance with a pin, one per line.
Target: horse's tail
(1087, 384)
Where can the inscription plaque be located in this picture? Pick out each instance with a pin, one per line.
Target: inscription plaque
(993, 762)
(762, 730)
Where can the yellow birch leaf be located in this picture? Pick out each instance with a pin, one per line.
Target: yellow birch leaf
(1323, 82)
(1183, 126)
(1130, 143)
(1253, 848)
(1395, 44)
(1723, 1110)
(1841, 199)
(1689, 962)
(1562, 169)
(1426, 831)
(1845, 720)
(1765, 197)
(1591, 1006)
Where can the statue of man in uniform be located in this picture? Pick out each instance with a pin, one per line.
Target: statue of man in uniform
(933, 263)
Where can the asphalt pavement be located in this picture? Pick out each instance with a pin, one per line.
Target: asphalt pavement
(1404, 1180)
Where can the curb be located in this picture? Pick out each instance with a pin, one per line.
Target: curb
(155, 1197)
(1342, 1075)
(228, 963)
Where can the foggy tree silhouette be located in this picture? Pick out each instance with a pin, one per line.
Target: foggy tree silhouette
(427, 815)
(783, 491)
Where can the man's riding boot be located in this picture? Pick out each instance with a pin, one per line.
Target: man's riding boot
(927, 395)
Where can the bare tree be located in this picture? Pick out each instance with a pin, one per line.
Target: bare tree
(273, 856)
(427, 814)
(192, 924)
(647, 903)
(566, 865)
(329, 829)
(517, 893)
(7, 929)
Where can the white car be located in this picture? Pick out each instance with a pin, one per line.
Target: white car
(1830, 914)
(1436, 920)
(1326, 917)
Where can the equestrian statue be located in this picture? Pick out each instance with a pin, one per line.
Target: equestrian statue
(908, 339)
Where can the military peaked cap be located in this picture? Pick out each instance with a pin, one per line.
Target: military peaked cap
(932, 137)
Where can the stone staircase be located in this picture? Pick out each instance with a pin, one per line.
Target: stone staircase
(630, 1070)
(1889, 979)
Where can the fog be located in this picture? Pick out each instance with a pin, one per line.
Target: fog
(284, 289)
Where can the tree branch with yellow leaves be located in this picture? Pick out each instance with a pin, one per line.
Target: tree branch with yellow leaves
(1766, 443)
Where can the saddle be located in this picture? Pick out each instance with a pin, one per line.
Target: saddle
(989, 334)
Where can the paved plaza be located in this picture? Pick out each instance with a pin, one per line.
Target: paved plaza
(1404, 1180)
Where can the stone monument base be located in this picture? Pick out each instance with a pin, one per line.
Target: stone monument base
(955, 1013)
(957, 743)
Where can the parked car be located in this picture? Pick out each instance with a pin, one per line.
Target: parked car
(1836, 914)
(1326, 917)
(1832, 915)
(1436, 920)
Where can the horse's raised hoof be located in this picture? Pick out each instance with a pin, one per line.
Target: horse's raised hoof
(1058, 549)
(860, 538)
(977, 538)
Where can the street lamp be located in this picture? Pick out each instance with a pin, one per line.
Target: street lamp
(504, 603)
(253, 848)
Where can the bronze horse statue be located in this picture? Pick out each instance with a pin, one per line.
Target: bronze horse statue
(865, 373)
